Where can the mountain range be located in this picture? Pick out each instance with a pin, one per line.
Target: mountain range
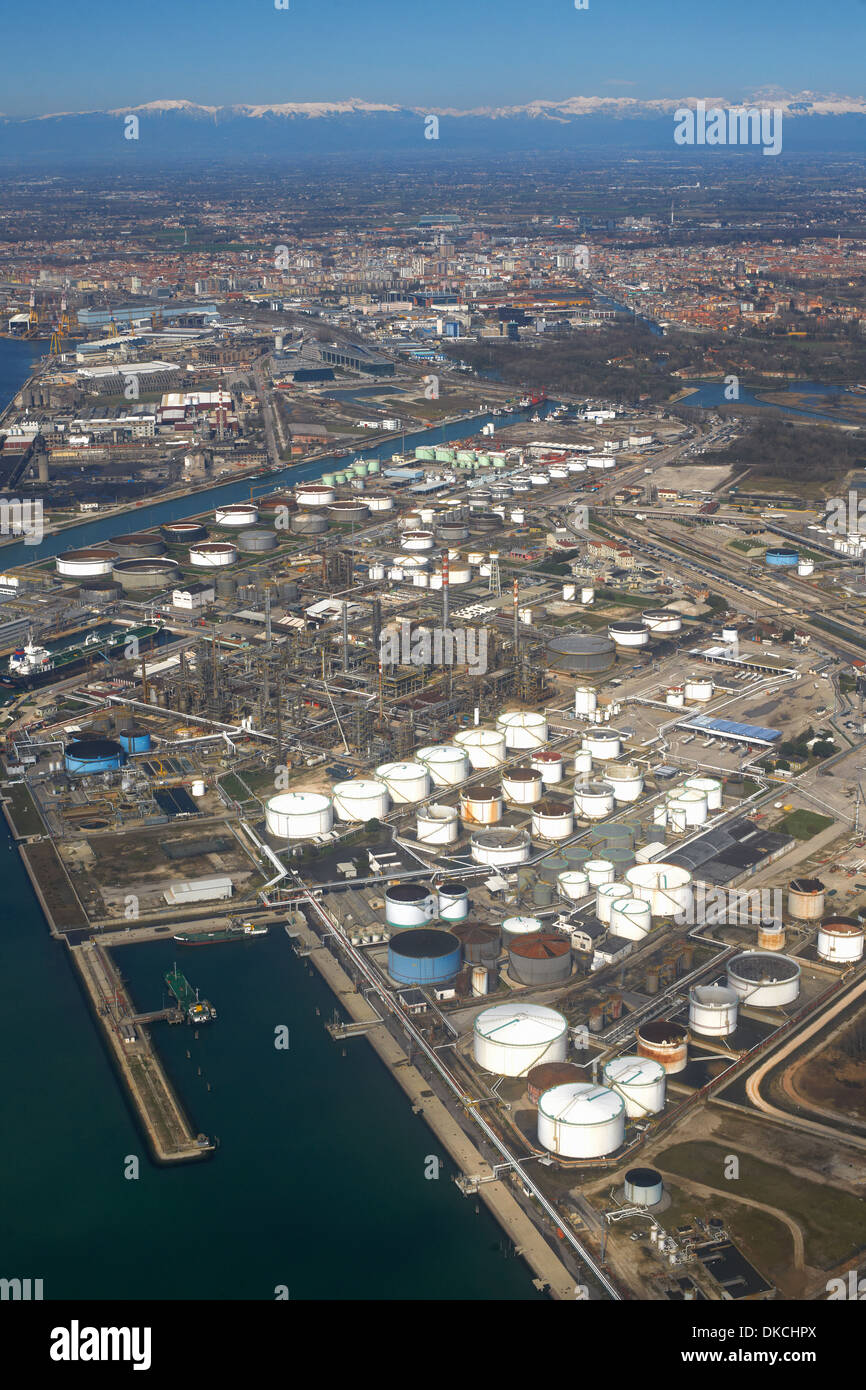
(177, 129)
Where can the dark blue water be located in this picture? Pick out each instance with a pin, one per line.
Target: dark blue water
(606, 302)
(712, 393)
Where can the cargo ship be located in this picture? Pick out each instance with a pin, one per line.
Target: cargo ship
(244, 932)
(196, 1010)
(32, 665)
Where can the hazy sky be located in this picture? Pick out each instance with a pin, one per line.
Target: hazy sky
(105, 53)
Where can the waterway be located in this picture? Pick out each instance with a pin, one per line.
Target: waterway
(710, 394)
(318, 1183)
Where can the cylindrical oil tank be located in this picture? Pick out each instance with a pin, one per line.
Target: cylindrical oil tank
(677, 816)
(453, 901)
(577, 855)
(226, 586)
(592, 799)
(298, 815)
(543, 958)
(237, 515)
(522, 728)
(662, 621)
(409, 905)
(840, 940)
(500, 848)
(675, 696)
(183, 532)
(573, 883)
(549, 1074)
(552, 820)
(713, 1010)
(581, 652)
(437, 825)
(145, 574)
(407, 782)
(314, 495)
(86, 564)
(695, 803)
(134, 740)
(665, 1042)
(484, 747)
(88, 756)
(425, 956)
(480, 978)
(666, 887)
(446, 763)
(585, 701)
(620, 856)
(522, 785)
(605, 896)
(626, 780)
(643, 1187)
(764, 981)
(212, 554)
(806, 899)
(351, 511)
(603, 744)
(515, 927)
(582, 763)
(581, 1120)
(481, 803)
(99, 591)
(453, 533)
(275, 504)
(542, 894)
(511, 1039)
(641, 1083)
(711, 788)
(138, 545)
(629, 634)
(699, 688)
(257, 540)
(481, 942)
(599, 872)
(361, 798)
(379, 502)
(309, 523)
(549, 764)
(630, 917)
(771, 935)
(417, 541)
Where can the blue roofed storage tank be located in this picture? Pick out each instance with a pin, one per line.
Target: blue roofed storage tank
(135, 740)
(91, 755)
(424, 956)
(781, 558)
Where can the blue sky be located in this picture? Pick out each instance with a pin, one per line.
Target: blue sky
(105, 53)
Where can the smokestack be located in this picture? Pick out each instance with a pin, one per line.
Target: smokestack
(445, 591)
(345, 637)
(516, 619)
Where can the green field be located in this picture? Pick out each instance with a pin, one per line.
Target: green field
(803, 824)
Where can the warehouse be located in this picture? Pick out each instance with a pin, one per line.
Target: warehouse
(731, 852)
(729, 728)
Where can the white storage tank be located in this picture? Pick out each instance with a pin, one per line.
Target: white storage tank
(522, 785)
(522, 729)
(197, 788)
(627, 634)
(626, 780)
(515, 927)
(453, 902)
(407, 782)
(599, 871)
(585, 701)
(378, 502)
(764, 981)
(605, 896)
(582, 763)
(840, 940)
(511, 1039)
(713, 1010)
(662, 621)
(446, 763)
(630, 917)
(643, 1187)
(573, 883)
(361, 798)
(500, 848)
(666, 887)
(695, 803)
(481, 804)
(549, 764)
(484, 747)
(437, 825)
(581, 1120)
(552, 820)
(409, 905)
(677, 814)
(806, 899)
(805, 568)
(213, 554)
(641, 1083)
(413, 541)
(592, 799)
(602, 744)
(699, 688)
(297, 815)
(675, 696)
(711, 788)
(240, 514)
(587, 595)
(314, 495)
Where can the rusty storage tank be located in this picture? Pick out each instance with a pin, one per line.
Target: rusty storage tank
(540, 1079)
(138, 545)
(687, 958)
(771, 935)
(665, 1042)
(596, 1018)
(482, 942)
(613, 1006)
(806, 899)
(651, 984)
(278, 502)
(542, 958)
(184, 532)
